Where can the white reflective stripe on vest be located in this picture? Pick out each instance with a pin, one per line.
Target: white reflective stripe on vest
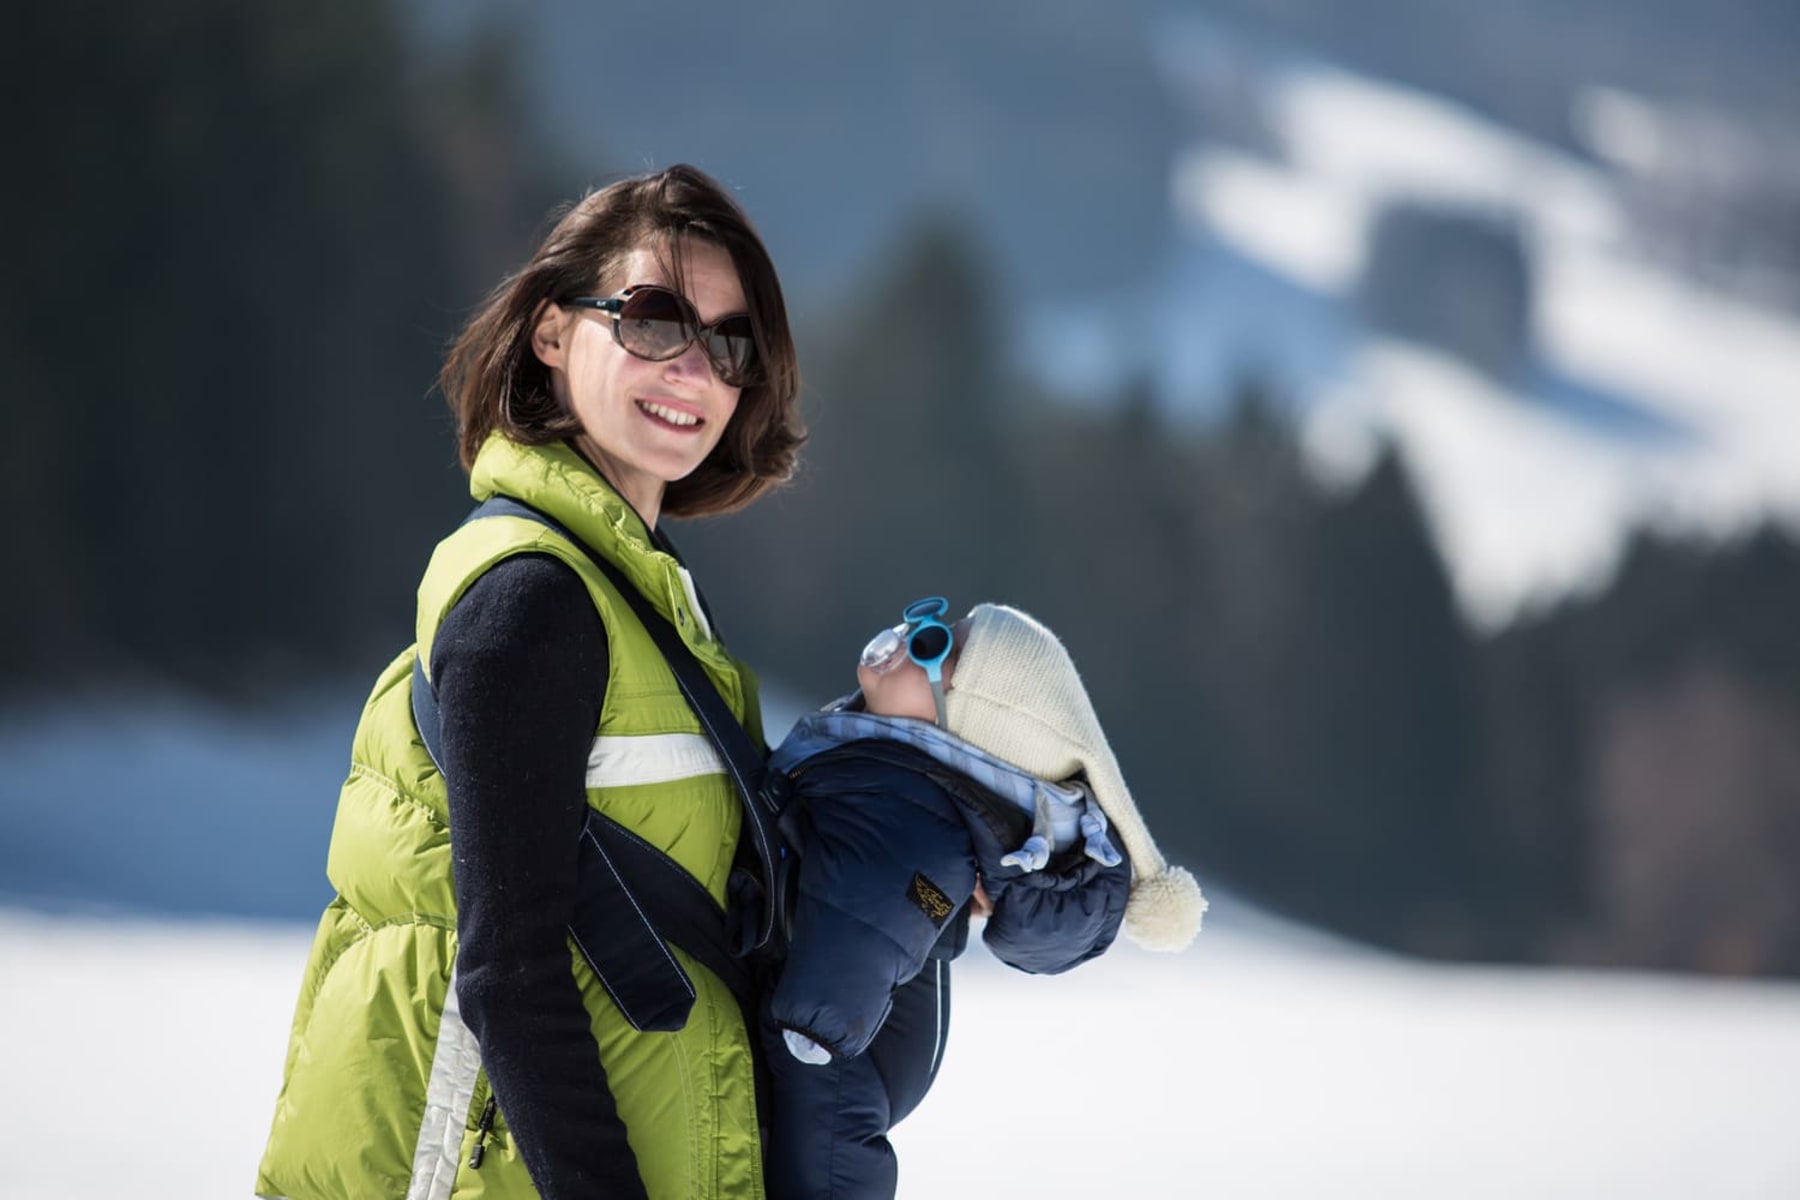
(448, 1095)
(652, 758)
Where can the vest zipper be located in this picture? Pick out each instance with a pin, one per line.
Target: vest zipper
(482, 1129)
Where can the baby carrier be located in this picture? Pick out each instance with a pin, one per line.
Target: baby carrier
(634, 899)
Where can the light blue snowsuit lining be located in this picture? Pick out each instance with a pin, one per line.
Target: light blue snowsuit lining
(1061, 813)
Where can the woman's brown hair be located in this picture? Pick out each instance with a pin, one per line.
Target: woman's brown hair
(493, 381)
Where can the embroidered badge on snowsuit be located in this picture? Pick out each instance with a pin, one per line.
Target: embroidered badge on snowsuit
(930, 898)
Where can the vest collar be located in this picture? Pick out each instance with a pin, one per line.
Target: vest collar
(558, 481)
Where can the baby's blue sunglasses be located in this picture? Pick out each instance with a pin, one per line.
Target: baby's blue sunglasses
(923, 638)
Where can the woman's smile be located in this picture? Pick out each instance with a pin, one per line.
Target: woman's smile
(673, 413)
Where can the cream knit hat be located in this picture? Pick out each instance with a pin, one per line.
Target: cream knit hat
(1014, 692)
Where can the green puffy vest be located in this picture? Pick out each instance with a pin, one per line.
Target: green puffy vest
(383, 1090)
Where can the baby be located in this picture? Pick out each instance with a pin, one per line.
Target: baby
(968, 775)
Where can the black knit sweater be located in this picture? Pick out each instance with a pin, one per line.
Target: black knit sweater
(520, 668)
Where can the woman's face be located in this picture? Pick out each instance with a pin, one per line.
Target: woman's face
(644, 424)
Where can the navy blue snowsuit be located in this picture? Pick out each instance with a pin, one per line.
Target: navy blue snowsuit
(892, 837)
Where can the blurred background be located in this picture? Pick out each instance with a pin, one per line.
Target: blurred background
(1394, 405)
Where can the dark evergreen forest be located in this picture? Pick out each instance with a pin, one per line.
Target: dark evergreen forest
(243, 234)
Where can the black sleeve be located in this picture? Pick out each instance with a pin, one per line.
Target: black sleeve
(520, 671)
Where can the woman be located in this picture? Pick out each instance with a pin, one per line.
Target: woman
(447, 1040)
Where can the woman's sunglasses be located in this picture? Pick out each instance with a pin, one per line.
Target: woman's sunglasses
(657, 324)
(924, 639)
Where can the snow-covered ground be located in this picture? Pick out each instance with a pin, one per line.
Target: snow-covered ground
(142, 1058)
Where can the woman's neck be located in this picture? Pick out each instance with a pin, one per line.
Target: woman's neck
(645, 498)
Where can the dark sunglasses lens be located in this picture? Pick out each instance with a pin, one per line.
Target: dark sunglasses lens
(732, 346)
(655, 324)
(929, 642)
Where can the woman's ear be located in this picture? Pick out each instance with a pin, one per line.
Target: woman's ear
(550, 336)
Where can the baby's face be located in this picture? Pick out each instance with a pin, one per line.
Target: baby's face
(903, 691)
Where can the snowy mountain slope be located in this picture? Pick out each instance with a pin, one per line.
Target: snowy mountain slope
(1654, 401)
(145, 1057)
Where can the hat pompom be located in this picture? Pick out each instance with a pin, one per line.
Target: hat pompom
(1017, 695)
(1164, 910)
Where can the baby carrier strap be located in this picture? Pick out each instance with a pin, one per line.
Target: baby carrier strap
(634, 899)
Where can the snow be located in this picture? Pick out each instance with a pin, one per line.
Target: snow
(1381, 140)
(1311, 231)
(141, 1058)
(1725, 366)
(1254, 1071)
(144, 1056)
(1656, 403)
(1530, 507)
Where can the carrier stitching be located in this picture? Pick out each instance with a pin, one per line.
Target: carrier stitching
(688, 1111)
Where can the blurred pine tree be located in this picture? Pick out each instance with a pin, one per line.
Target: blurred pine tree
(237, 258)
(908, 487)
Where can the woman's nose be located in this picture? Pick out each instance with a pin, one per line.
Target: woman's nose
(691, 363)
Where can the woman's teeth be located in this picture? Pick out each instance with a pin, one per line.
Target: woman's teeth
(673, 416)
